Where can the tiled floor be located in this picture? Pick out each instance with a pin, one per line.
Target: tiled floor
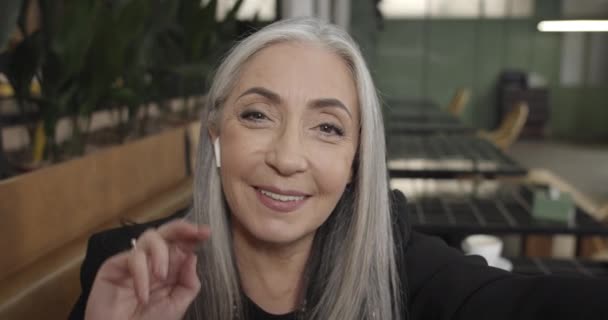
(583, 166)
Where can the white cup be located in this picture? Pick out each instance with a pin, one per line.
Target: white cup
(487, 246)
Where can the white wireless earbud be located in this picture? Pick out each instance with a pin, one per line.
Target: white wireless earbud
(216, 149)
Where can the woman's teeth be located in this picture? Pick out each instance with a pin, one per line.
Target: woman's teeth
(281, 197)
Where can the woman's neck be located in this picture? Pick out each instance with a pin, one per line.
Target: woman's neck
(272, 275)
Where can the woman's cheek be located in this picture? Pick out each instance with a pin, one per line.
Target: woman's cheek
(245, 140)
(334, 171)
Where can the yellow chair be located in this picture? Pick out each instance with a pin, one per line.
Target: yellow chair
(603, 211)
(510, 127)
(459, 101)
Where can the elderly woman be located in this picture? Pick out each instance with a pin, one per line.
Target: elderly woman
(292, 216)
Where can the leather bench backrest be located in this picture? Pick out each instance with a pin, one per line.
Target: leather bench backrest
(45, 209)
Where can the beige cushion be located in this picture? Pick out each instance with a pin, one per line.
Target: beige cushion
(48, 288)
(48, 208)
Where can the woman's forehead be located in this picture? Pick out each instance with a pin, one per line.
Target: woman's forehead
(299, 69)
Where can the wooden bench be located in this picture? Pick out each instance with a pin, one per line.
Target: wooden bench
(46, 217)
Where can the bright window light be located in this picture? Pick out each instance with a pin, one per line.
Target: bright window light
(456, 9)
(573, 26)
(401, 9)
(263, 9)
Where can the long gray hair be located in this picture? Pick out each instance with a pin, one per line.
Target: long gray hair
(352, 272)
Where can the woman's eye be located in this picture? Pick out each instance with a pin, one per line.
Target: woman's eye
(330, 129)
(253, 116)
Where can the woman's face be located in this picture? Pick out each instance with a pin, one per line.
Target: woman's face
(289, 133)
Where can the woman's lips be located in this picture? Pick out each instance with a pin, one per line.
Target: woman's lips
(290, 201)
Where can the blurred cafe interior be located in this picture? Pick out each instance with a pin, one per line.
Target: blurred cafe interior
(495, 113)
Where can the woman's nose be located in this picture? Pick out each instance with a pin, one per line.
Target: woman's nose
(287, 155)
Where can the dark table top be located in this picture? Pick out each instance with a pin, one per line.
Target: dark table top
(439, 207)
(421, 117)
(446, 156)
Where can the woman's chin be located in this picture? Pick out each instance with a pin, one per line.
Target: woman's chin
(278, 235)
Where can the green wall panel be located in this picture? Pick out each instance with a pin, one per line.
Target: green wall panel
(580, 113)
(546, 56)
(450, 60)
(593, 118)
(400, 56)
(363, 27)
(519, 35)
(564, 106)
(431, 58)
(490, 58)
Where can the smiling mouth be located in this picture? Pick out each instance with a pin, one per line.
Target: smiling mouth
(283, 201)
(281, 197)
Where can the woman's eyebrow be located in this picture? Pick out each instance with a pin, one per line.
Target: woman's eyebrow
(273, 97)
(329, 103)
(315, 104)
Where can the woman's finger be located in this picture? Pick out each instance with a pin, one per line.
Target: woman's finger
(188, 282)
(188, 275)
(138, 268)
(182, 230)
(115, 268)
(152, 243)
(189, 246)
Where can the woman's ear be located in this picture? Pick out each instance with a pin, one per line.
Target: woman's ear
(213, 136)
(212, 133)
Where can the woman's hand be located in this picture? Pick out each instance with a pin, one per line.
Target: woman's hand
(156, 279)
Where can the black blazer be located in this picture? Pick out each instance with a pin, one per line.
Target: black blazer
(438, 282)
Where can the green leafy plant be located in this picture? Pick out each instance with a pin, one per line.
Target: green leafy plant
(9, 12)
(93, 54)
